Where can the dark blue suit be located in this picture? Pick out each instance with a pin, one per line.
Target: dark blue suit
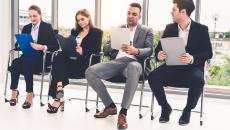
(28, 65)
(190, 76)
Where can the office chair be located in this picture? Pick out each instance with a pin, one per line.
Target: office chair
(45, 71)
(201, 98)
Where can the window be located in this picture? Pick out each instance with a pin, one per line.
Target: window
(67, 10)
(113, 12)
(217, 20)
(45, 6)
(160, 14)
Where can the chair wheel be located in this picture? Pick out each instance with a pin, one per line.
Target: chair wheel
(201, 123)
(140, 116)
(6, 100)
(152, 117)
(97, 111)
(42, 104)
(86, 109)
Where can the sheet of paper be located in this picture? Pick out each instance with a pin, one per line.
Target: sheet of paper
(174, 47)
(119, 36)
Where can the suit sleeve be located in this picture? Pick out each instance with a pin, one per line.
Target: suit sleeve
(206, 48)
(52, 43)
(147, 50)
(96, 48)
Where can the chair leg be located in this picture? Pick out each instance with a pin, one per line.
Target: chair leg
(42, 80)
(141, 99)
(86, 98)
(152, 106)
(97, 100)
(5, 91)
(50, 79)
(6, 81)
(201, 109)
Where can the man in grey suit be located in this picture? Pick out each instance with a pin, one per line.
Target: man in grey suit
(126, 62)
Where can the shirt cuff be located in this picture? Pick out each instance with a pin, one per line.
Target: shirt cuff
(192, 60)
(45, 48)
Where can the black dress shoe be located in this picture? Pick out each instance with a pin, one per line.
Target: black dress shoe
(185, 118)
(165, 113)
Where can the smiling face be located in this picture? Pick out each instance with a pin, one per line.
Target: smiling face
(34, 16)
(133, 16)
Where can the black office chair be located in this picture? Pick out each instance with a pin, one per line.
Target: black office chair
(46, 67)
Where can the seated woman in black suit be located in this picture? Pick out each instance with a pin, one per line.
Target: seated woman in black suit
(43, 40)
(88, 41)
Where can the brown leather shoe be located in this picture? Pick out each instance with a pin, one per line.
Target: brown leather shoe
(106, 112)
(122, 123)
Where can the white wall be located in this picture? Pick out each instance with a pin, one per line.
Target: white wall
(5, 40)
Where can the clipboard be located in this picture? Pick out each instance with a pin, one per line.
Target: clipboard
(24, 41)
(173, 47)
(119, 36)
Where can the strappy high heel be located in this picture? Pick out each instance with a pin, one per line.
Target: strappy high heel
(27, 104)
(52, 109)
(59, 96)
(13, 102)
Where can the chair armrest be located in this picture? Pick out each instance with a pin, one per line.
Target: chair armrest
(100, 54)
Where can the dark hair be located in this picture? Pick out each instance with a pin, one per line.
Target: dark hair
(83, 12)
(188, 5)
(36, 8)
(137, 5)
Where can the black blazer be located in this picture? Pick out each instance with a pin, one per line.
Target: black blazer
(91, 44)
(46, 35)
(199, 45)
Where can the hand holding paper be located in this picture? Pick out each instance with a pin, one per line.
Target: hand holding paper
(161, 55)
(186, 58)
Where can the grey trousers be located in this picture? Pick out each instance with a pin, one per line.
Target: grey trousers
(130, 68)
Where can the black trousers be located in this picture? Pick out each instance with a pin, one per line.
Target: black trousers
(64, 68)
(27, 66)
(177, 76)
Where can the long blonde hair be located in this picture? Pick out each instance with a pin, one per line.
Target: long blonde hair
(83, 12)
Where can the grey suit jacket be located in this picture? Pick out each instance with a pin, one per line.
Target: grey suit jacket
(143, 40)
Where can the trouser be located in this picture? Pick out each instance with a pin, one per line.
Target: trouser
(64, 68)
(26, 66)
(177, 76)
(130, 68)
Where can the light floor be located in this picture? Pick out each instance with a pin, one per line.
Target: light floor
(217, 114)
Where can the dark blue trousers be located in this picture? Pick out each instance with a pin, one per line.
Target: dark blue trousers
(177, 76)
(26, 66)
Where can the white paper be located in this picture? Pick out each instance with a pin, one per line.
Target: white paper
(119, 36)
(174, 47)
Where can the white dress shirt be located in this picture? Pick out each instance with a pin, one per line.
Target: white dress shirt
(34, 32)
(184, 35)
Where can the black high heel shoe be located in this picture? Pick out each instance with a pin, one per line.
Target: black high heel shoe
(27, 104)
(59, 95)
(52, 109)
(13, 102)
